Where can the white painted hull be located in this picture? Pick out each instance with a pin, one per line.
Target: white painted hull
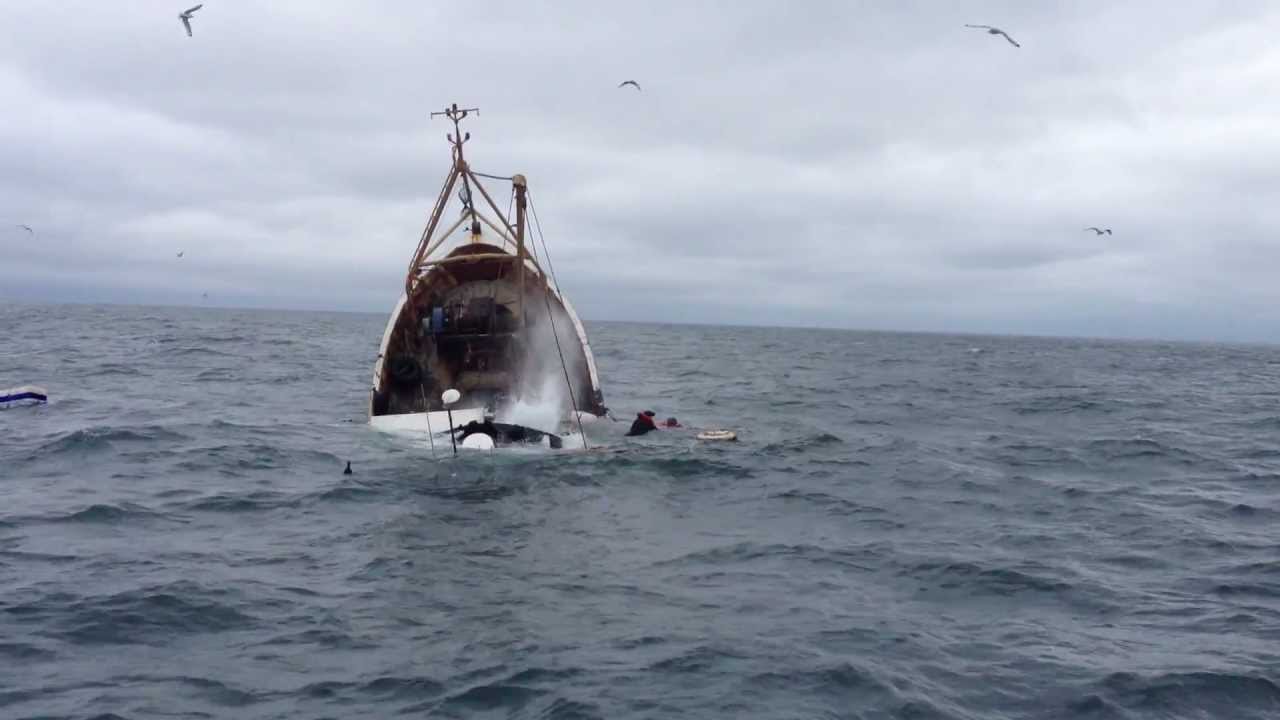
(417, 425)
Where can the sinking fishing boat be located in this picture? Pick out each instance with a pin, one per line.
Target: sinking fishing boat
(481, 315)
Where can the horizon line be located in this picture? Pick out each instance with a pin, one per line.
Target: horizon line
(675, 323)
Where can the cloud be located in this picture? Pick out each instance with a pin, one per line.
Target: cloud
(820, 165)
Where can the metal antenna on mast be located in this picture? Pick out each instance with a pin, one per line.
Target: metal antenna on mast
(456, 114)
(457, 137)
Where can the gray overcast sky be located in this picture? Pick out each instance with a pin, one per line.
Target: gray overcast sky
(849, 164)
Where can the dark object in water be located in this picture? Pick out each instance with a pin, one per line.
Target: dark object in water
(671, 423)
(642, 424)
(348, 470)
(507, 434)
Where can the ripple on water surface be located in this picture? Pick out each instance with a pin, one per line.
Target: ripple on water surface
(1039, 529)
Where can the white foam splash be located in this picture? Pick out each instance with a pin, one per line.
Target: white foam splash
(545, 402)
(541, 406)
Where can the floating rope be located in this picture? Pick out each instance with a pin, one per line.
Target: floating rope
(551, 316)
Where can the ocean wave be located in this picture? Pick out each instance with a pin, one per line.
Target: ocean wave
(1018, 453)
(1240, 511)
(293, 378)
(233, 339)
(1246, 589)
(695, 374)
(348, 492)
(1095, 708)
(1066, 404)
(490, 699)
(196, 351)
(1198, 694)
(207, 689)
(94, 439)
(842, 679)
(544, 675)
(976, 578)
(10, 698)
(113, 369)
(252, 502)
(1269, 422)
(97, 514)
(1119, 449)
(328, 638)
(152, 615)
(23, 653)
(216, 375)
(252, 456)
(748, 552)
(383, 689)
(1249, 478)
(678, 466)
(1262, 567)
(831, 503)
(700, 659)
(563, 709)
(802, 444)
(390, 687)
(936, 539)
(1136, 561)
(36, 558)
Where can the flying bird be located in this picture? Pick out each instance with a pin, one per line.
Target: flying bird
(185, 17)
(181, 253)
(996, 31)
(632, 83)
(28, 229)
(1098, 231)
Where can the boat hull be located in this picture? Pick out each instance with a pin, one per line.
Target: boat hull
(469, 327)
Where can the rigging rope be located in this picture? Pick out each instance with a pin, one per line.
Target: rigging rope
(577, 414)
(493, 177)
(546, 253)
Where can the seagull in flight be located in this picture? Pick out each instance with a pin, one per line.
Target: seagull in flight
(1098, 231)
(185, 17)
(632, 83)
(28, 229)
(181, 253)
(996, 31)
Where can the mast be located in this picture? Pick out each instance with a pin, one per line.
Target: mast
(521, 187)
(461, 172)
(457, 138)
(458, 170)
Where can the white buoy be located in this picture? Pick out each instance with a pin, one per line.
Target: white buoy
(718, 435)
(477, 441)
(449, 397)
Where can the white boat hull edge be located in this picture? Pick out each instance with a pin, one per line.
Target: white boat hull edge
(416, 424)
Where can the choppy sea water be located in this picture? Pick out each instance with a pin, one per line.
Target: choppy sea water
(912, 526)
